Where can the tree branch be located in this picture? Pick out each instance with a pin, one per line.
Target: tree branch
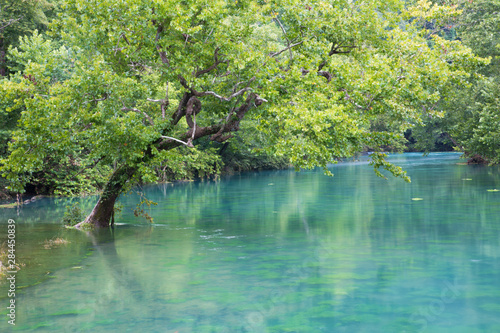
(97, 99)
(164, 103)
(352, 101)
(217, 130)
(163, 54)
(287, 41)
(212, 67)
(227, 99)
(124, 108)
(335, 50)
(11, 21)
(116, 49)
(286, 48)
(174, 139)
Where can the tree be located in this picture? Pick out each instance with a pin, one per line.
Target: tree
(472, 120)
(17, 19)
(149, 77)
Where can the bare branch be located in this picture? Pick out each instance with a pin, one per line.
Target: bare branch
(164, 103)
(286, 48)
(216, 130)
(335, 49)
(352, 101)
(170, 138)
(159, 30)
(193, 107)
(163, 55)
(287, 40)
(116, 49)
(328, 76)
(209, 35)
(11, 21)
(183, 81)
(259, 100)
(227, 99)
(190, 140)
(181, 109)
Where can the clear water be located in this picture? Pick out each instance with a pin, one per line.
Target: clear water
(275, 252)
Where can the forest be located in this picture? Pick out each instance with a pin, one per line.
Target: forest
(98, 96)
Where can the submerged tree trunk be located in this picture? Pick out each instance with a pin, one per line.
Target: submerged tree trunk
(104, 208)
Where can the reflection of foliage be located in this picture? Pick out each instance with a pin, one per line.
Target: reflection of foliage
(144, 203)
(73, 215)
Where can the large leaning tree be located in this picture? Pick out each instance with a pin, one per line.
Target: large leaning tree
(145, 79)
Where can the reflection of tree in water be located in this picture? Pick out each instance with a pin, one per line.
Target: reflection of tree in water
(146, 280)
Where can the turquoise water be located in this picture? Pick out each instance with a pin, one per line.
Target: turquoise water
(274, 252)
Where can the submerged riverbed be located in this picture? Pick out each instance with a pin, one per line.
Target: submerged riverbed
(276, 251)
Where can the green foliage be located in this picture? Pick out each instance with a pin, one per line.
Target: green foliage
(55, 60)
(184, 163)
(428, 137)
(73, 215)
(69, 176)
(20, 18)
(378, 161)
(480, 133)
(249, 151)
(138, 82)
(480, 30)
(472, 118)
(143, 208)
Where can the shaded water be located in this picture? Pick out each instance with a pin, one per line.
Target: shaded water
(275, 252)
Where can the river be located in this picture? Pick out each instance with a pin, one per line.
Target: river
(273, 251)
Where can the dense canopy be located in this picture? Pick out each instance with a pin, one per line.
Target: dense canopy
(133, 84)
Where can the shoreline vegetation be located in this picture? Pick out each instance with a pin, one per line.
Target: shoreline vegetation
(234, 166)
(254, 164)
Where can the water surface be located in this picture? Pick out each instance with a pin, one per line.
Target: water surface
(274, 252)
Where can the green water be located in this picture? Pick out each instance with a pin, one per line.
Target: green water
(274, 252)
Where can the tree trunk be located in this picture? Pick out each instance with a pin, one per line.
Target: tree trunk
(104, 208)
(3, 65)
